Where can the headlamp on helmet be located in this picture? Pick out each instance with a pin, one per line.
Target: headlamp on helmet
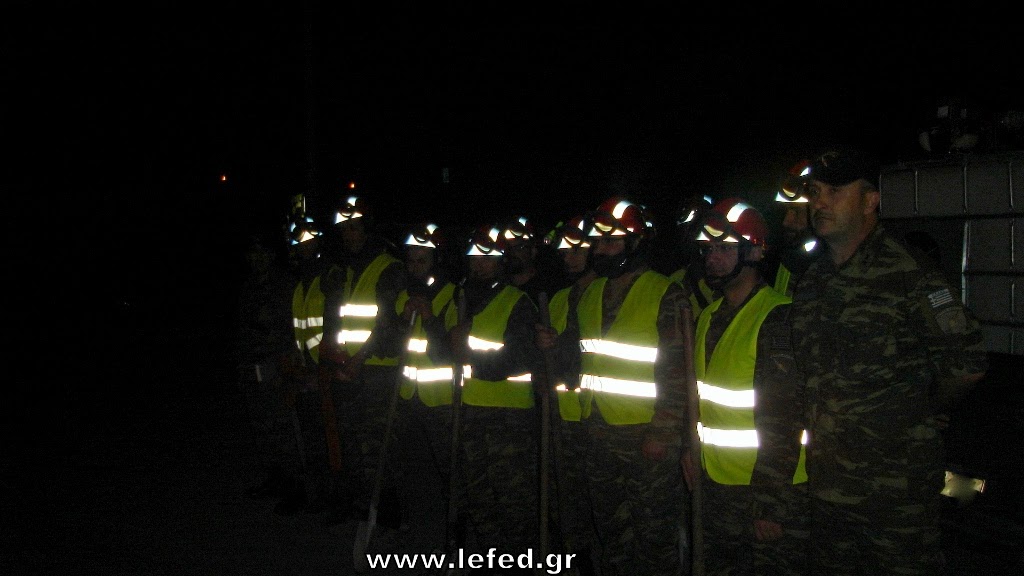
(486, 241)
(795, 184)
(302, 230)
(733, 220)
(619, 217)
(424, 235)
(572, 234)
(352, 208)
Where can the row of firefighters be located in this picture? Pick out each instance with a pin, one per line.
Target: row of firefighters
(597, 409)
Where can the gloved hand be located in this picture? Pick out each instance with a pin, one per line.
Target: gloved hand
(420, 305)
(545, 337)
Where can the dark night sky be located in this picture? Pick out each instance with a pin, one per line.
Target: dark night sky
(121, 118)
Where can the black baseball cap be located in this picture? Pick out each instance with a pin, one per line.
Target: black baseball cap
(840, 167)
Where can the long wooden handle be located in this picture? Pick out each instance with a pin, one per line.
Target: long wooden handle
(545, 433)
(693, 416)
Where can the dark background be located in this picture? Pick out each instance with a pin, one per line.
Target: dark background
(122, 119)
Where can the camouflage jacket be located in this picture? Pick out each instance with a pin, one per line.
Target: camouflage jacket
(884, 344)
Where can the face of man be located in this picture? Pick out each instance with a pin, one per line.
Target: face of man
(608, 251)
(840, 214)
(353, 234)
(519, 255)
(720, 259)
(794, 222)
(419, 260)
(484, 267)
(574, 259)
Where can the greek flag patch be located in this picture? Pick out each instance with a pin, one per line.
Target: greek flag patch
(940, 298)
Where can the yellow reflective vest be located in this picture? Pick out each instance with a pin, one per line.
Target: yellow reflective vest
(618, 367)
(420, 376)
(358, 314)
(697, 301)
(308, 317)
(570, 405)
(488, 333)
(725, 384)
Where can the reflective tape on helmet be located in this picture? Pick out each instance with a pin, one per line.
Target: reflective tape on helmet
(618, 386)
(619, 350)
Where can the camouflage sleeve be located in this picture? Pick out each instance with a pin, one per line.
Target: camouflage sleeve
(952, 335)
(778, 411)
(670, 366)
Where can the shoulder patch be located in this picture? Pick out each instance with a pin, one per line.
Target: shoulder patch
(940, 298)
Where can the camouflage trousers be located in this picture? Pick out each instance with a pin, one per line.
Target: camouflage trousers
(876, 540)
(730, 547)
(571, 508)
(273, 420)
(427, 429)
(637, 503)
(361, 410)
(499, 448)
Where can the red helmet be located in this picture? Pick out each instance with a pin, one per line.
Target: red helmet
(426, 235)
(486, 241)
(518, 228)
(795, 183)
(350, 208)
(733, 220)
(571, 234)
(617, 216)
(302, 230)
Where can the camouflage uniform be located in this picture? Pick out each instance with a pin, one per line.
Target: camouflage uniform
(362, 405)
(883, 343)
(264, 336)
(729, 510)
(637, 504)
(498, 446)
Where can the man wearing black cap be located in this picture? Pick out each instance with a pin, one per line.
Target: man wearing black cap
(886, 346)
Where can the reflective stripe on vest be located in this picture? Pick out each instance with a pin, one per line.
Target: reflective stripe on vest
(422, 378)
(725, 384)
(618, 366)
(308, 317)
(570, 402)
(489, 328)
(359, 313)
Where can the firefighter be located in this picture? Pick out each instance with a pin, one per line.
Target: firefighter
(627, 343)
(264, 338)
(799, 245)
(753, 477)
(426, 385)
(527, 260)
(363, 336)
(577, 534)
(300, 369)
(494, 344)
(690, 273)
